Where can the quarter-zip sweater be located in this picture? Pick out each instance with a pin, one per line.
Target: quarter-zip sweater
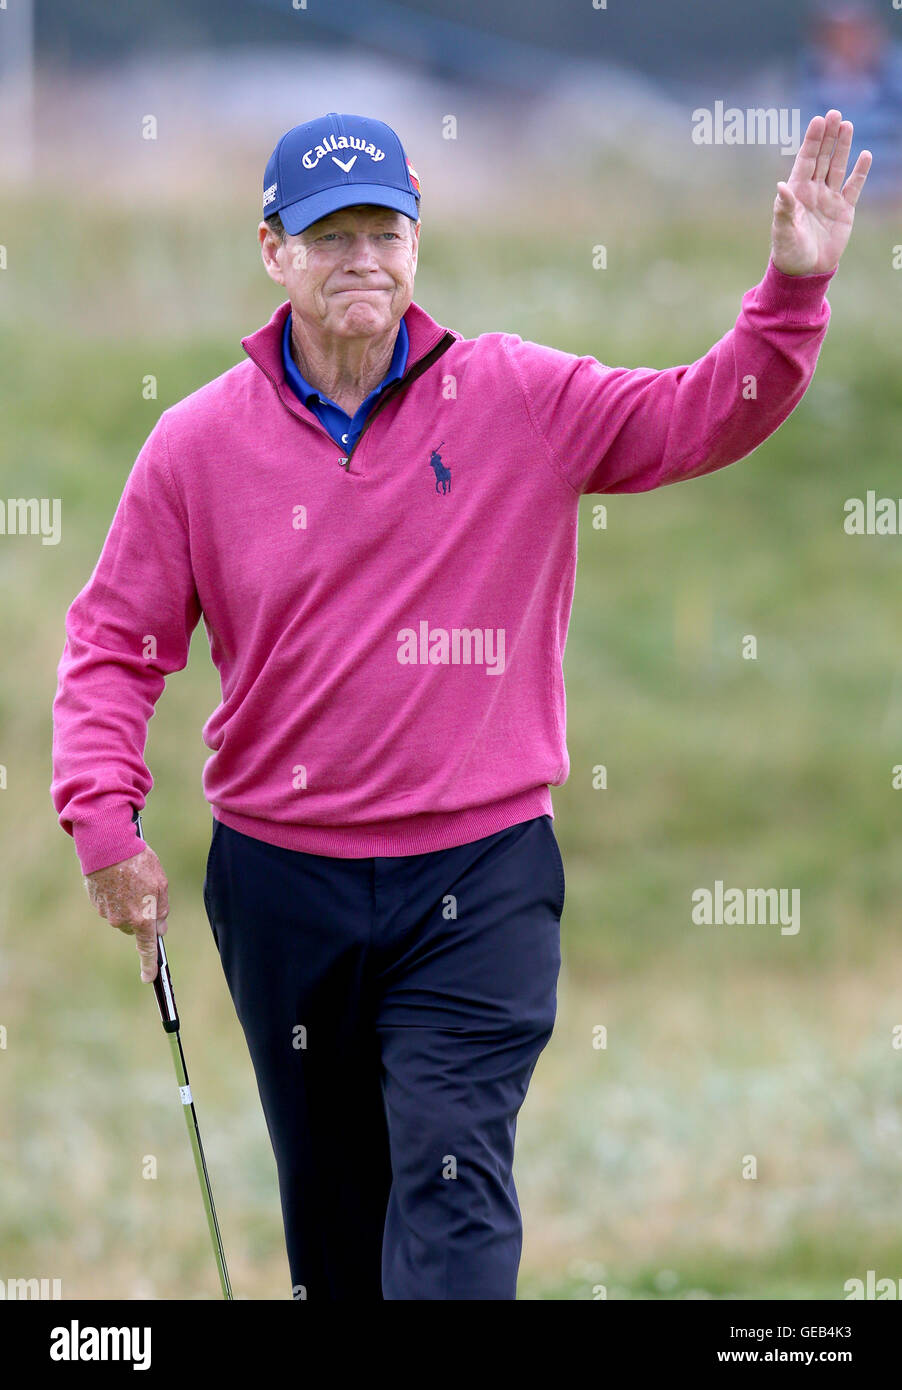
(388, 623)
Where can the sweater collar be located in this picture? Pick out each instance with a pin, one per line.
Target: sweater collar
(264, 347)
(302, 387)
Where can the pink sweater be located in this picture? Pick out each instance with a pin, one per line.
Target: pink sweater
(388, 629)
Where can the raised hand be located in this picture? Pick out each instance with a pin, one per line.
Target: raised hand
(814, 210)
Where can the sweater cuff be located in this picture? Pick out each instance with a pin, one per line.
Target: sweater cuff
(107, 838)
(793, 296)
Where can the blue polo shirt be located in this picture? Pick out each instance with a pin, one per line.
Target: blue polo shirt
(343, 429)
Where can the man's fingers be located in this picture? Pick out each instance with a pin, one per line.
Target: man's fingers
(785, 202)
(806, 159)
(825, 153)
(855, 182)
(162, 908)
(155, 906)
(837, 170)
(146, 942)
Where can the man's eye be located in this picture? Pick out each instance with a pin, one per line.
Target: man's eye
(333, 236)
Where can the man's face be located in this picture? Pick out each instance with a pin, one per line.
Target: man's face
(349, 275)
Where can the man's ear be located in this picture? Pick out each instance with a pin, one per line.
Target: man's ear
(269, 248)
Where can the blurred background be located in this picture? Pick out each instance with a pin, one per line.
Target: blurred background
(540, 134)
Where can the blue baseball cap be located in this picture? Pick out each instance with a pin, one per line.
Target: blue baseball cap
(333, 162)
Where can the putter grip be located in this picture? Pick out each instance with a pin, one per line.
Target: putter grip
(162, 985)
(162, 988)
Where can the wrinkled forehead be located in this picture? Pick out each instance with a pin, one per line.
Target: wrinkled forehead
(359, 215)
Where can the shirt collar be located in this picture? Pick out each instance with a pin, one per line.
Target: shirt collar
(302, 386)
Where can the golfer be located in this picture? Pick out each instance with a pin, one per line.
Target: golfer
(376, 518)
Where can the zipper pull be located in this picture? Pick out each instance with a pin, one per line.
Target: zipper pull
(344, 463)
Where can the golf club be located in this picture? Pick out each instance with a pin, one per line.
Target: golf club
(162, 986)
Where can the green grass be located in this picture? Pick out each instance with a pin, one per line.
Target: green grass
(723, 1041)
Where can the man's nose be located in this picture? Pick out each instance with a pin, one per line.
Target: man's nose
(361, 253)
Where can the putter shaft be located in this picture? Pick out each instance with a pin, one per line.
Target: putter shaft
(169, 1017)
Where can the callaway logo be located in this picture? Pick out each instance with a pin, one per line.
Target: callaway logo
(343, 142)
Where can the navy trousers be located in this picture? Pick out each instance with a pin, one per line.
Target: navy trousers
(394, 1011)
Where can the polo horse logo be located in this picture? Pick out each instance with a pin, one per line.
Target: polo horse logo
(442, 474)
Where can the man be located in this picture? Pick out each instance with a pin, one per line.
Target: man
(376, 519)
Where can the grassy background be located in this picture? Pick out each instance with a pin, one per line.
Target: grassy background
(721, 1041)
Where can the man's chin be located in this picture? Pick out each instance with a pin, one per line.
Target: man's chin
(358, 316)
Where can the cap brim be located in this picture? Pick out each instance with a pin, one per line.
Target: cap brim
(297, 217)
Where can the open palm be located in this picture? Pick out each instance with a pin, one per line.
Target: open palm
(814, 210)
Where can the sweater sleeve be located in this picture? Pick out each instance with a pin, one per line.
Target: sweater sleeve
(128, 628)
(621, 429)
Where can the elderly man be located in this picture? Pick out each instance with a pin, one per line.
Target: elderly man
(376, 518)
